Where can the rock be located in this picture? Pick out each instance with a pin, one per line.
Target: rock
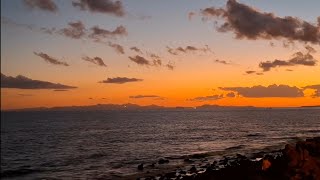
(140, 167)
(193, 169)
(163, 161)
(265, 164)
(170, 175)
(187, 160)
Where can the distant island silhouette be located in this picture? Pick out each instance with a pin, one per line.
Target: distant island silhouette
(130, 106)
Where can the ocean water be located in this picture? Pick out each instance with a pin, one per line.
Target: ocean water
(111, 144)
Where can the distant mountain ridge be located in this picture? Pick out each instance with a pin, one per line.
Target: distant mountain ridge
(129, 106)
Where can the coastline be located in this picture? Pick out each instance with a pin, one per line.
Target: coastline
(294, 161)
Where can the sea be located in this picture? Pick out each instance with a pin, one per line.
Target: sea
(111, 144)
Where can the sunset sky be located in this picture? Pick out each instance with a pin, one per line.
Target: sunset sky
(172, 53)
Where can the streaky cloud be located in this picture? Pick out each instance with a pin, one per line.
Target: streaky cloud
(50, 59)
(120, 80)
(22, 82)
(95, 60)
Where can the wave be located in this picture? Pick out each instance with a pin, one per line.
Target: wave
(235, 147)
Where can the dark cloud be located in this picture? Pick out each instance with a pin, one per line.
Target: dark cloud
(95, 60)
(231, 94)
(22, 82)
(98, 33)
(145, 96)
(120, 80)
(247, 22)
(136, 50)
(117, 47)
(101, 6)
(222, 62)
(156, 60)
(46, 5)
(170, 66)
(140, 60)
(50, 59)
(298, 59)
(268, 91)
(187, 49)
(207, 98)
(250, 72)
(75, 30)
(61, 90)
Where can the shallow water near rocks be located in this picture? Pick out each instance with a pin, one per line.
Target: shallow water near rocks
(109, 144)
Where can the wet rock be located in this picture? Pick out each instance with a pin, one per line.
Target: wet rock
(163, 161)
(140, 167)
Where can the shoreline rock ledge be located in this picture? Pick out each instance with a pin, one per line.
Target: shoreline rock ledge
(295, 162)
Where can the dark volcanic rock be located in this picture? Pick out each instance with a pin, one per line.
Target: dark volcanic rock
(140, 167)
(163, 161)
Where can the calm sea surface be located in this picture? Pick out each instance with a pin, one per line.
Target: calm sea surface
(109, 144)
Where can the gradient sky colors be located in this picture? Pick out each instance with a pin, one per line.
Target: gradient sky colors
(170, 53)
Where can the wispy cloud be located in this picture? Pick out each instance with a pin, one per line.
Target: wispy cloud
(98, 33)
(187, 49)
(101, 6)
(207, 98)
(46, 5)
(155, 97)
(75, 30)
(50, 59)
(222, 62)
(316, 89)
(120, 80)
(140, 60)
(247, 22)
(136, 50)
(95, 60)
(266, 91)
(299, 58)
(117, 47)
(22, 82)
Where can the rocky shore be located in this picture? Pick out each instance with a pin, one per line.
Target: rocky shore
(294, 162)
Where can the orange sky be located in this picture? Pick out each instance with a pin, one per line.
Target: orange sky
(196, 77)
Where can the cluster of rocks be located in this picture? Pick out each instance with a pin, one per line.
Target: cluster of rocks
(298, 162)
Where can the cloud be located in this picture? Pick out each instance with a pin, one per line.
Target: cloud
(120, 80)
(140, 60)
(314, 87)
(98, 33)
(222, 62)
(187, 49)
(170, 66)
(136, 49)
(76, 30)
(46, 5)
(190, 15)
(147, 96)
(297, 59)
(231, 94)
(22, 82)
(268, 91)
(247, 22)
(250, 72)
(7, 21)
(207, 98)
(96, 60)
(50, 59)
(101, 6)
(61, 90)
(117, 47)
